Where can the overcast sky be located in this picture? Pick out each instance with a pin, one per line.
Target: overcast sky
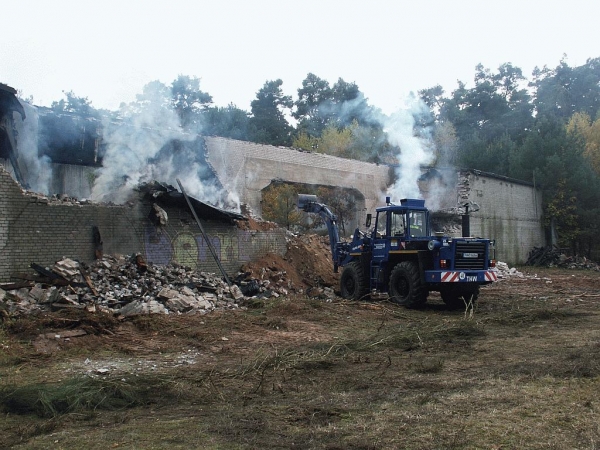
(108, 50)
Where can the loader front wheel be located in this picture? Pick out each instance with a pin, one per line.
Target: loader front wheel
(353, 285)
(406, 287)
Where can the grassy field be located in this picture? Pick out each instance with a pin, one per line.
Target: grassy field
(521, 370)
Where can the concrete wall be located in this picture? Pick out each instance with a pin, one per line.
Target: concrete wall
(510, 211)
(34, 229)
(247, 168)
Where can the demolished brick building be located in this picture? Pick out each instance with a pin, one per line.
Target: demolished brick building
(36, 228)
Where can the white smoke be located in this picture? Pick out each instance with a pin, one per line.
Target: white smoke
(416, 146)
(36, 171)
(129, 148)
(416, 150)
(151, 145)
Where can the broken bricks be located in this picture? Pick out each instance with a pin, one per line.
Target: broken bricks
(121, 285)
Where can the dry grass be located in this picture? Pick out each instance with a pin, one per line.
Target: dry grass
(522, 372)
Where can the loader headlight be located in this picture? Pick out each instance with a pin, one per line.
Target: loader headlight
(433, 244)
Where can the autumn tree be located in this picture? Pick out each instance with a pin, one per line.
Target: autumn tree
(341, 202)
(279, 205)
(581, 125)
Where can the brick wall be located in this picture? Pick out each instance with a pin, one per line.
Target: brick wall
(33, 229)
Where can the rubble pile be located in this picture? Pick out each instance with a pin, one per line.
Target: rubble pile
(504, 271)
(554, 257)
(128, 286)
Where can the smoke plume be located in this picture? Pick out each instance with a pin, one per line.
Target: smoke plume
(151, 145)
(37, 171)
(416, 149)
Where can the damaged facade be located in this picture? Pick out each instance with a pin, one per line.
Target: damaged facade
(506, 210)
(40, 229)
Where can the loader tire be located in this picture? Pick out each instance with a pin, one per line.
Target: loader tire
(353, 285)
(406, 287)
(456, 296)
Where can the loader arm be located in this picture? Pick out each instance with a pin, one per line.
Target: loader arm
(309, 204)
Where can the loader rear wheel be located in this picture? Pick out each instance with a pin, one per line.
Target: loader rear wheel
(406, 287)
(353, 284)
(456, 296)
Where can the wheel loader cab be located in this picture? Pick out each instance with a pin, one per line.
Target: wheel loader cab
(401, 223)
(418, 223)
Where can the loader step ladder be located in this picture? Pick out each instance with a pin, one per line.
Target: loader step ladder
(374, 276)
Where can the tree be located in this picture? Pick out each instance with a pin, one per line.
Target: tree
(230, 122)
(155, 100)
(188, 101)
(566, 90)
(268, 124)
(75, 105)
(313, 96)
(305, 142)
(350, 105)
(561, 213)
(434, 98)
(320, 105)
(480, 126)
(446, 144)
(279, 205)
(334, 141)
(581, 125)
(341, 202)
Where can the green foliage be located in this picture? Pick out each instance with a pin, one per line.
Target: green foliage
(230, 122)
(268, 124)
(543, 136)
(183, 96)
(581, 126)
(75, 105)
(565, 90)
(313, 97)
(335, 141)
(188, 100)
(355, 141)
(561, 211)
(305, 142)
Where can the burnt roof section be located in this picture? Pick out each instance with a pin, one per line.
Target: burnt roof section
(9, 101)
(166, 195)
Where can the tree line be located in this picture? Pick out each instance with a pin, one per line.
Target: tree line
(544, 129)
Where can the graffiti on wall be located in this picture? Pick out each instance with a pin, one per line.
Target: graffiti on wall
(192, 249)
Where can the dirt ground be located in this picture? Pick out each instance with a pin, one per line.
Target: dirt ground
(521, 370)
(307, 265)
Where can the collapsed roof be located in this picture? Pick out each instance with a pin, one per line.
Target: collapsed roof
(166, 195)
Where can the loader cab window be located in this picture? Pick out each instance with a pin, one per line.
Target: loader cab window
(398, 225)
(381, 225)
(418, 223)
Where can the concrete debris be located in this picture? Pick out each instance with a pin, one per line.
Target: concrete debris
(123, 286)
(67, 268)
(504, 271)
